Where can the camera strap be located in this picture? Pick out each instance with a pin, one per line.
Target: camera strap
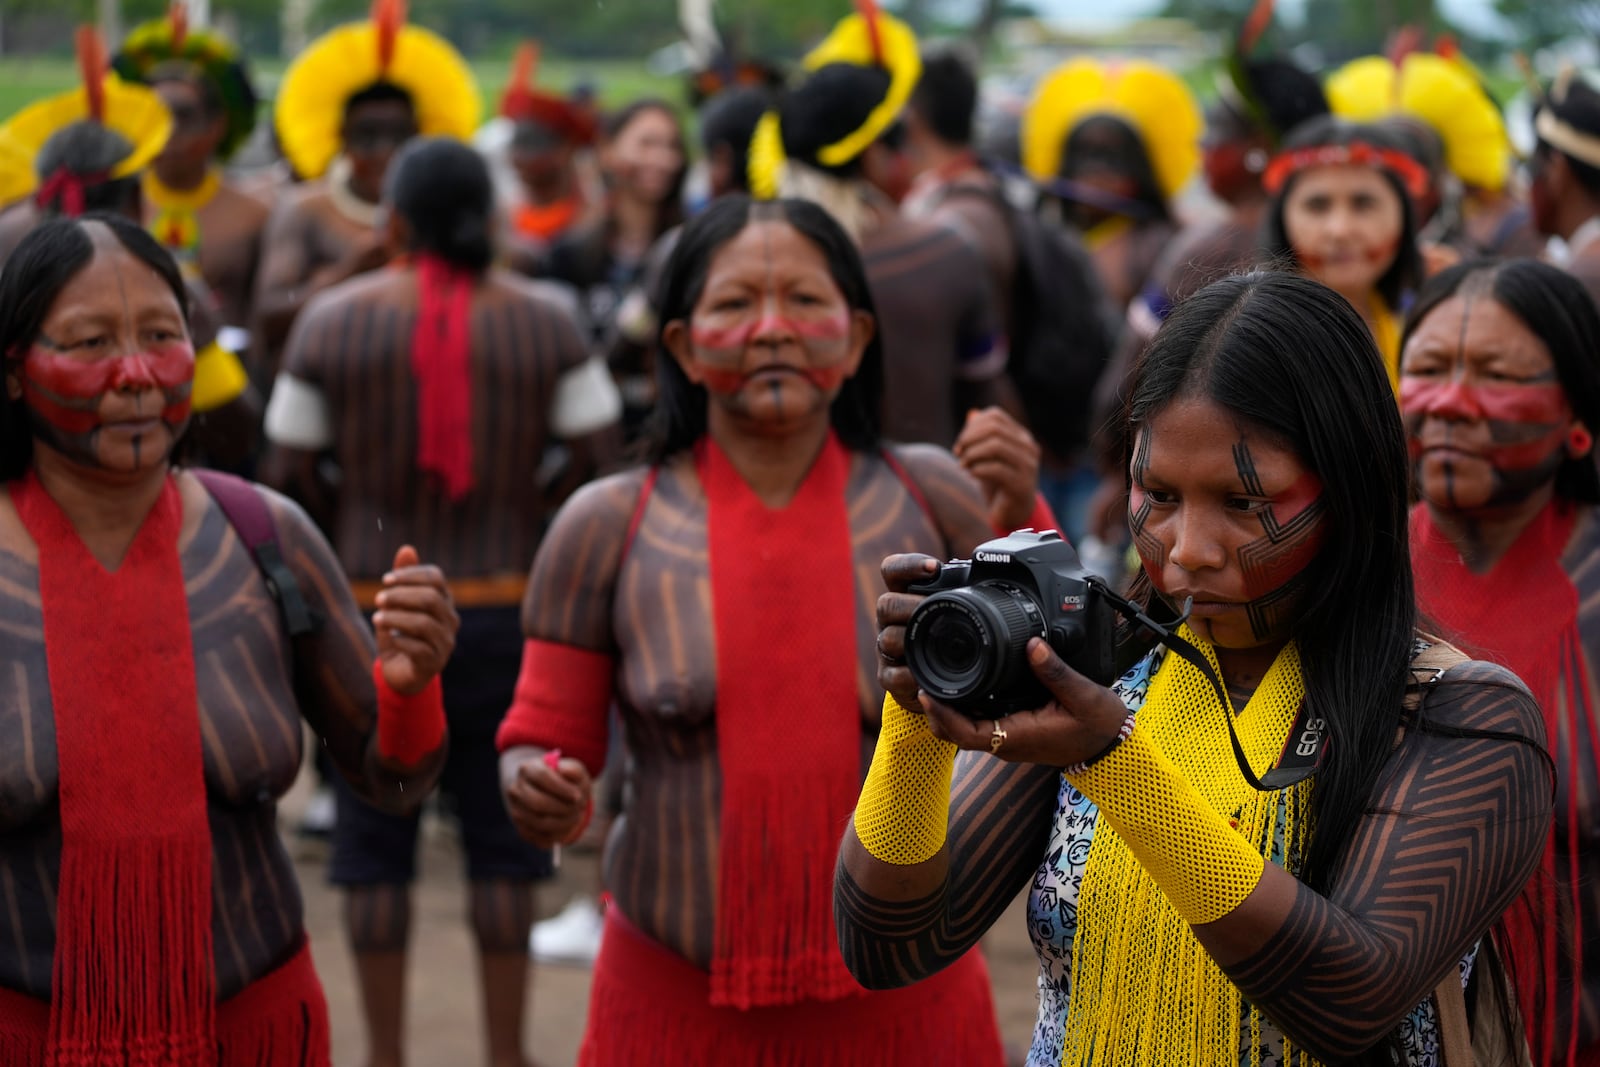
(1302, 750)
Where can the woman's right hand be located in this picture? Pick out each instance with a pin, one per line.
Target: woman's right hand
(548, 799)
(900, 573)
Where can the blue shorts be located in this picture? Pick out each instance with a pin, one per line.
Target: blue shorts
(373, 847)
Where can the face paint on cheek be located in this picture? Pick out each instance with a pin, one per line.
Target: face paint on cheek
(1382, 253)
(66, 393)
(1293, 530)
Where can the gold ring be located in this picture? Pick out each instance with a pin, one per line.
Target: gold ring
(996, 739)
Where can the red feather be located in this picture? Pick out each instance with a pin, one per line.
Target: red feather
(1406, 40)
(1255, 25)
(525, 63)
(178, 18)
(387, 16)
(1447, 46)
(869, 12)
(92, 65)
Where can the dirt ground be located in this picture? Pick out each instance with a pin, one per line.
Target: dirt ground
(443, 1025)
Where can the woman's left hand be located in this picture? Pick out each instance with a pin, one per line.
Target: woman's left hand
(416, 623)
(1078, 724)
(1002, 455)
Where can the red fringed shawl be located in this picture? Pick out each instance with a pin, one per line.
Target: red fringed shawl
(441, 359)
(1523, 614)
(132, 982)
(783, 596)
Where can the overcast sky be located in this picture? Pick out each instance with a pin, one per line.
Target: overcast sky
(1476, 15)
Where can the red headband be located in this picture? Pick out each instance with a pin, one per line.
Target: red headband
(1413, 177)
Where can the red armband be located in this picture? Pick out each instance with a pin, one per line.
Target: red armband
(409, 727)
(1040, 518)
(562, 701)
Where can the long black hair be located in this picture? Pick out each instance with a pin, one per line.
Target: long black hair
(441, 188)
(1108, 141)
(669, 214)
(52, 254)
(1405, 273)
(1558, 310)
(679, 419)
(1290, 357)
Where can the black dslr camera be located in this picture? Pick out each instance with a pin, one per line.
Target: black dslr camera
(967, 643)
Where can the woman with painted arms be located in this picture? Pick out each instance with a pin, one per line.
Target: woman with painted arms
(1274, 859)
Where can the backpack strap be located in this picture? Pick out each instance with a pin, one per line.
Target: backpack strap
(900, 471)
(246, 511)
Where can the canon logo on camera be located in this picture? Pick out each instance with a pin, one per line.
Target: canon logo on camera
(993, 557)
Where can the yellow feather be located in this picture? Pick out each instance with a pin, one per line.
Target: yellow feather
(310, 106)
(1152, 100)
(132, 111)
(851, 43)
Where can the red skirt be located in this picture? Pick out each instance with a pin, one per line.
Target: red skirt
(649, 1005)
(279, 1020)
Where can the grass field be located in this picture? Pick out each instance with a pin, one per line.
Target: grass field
(23, 81)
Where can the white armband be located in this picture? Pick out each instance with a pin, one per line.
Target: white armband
(298, 416)
(586, 400)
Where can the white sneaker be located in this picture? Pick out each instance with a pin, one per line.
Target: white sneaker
(571, 937)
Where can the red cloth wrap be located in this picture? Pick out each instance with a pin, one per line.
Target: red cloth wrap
(649, 1005)
(1523, 615)
(409, 727)
(562, 700)
(441, 360)
(279, 1020)
(132, 980)
(784, 604)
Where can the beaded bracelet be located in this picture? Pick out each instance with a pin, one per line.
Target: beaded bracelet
(1122, 735)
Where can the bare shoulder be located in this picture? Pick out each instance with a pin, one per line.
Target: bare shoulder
(952, 494)
(244, 208)
(348, 295)
(601, 509)
(550, 297)
(1478, 695)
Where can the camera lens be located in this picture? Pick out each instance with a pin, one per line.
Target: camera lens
(963, 645)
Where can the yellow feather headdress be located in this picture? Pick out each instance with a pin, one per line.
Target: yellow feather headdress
(1152, 100)
(346, 60)
(133, 112)
(1440, 92)
(866, 38)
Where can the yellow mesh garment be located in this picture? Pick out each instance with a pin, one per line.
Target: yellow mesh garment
(1180, 834)
(904, 809)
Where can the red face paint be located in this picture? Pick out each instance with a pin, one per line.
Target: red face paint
(67, 392)
(720, 350)
(1294, 528)
(1526, 423)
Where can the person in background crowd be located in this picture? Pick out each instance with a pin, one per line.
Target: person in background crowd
(1342, 213)
(1283, 834)
(944, 354)
(1565, 191)
(644, 160)
(87, 151)
(493, 371)
(156, 688)
(1461, 138)
(212, 228)
(727, 125)
(1116, 144)
(767, 499)
(547, 129)
(1500, 392)
(346, 105)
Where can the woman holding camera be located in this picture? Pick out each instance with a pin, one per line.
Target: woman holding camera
(723, 598)
(1499, 391)
(1287, 823)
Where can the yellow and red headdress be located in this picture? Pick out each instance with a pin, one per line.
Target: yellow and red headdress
(1150, 99)
(134, 114)
(1441, 91)
(865, 38)
(522, 101)
(170, 41)
(346, 60)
